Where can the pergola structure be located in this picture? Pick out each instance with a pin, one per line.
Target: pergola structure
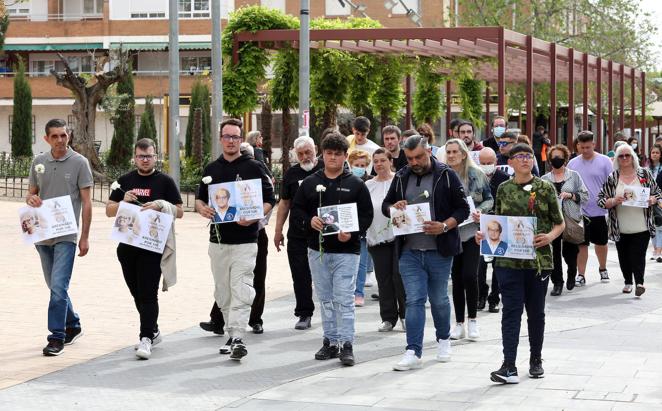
(519, 59)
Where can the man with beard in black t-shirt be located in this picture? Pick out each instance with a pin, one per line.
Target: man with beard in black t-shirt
(152, 190)
(297, 249)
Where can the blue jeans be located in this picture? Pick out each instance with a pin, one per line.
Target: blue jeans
(364, 265)
(425, 274)
(334, 276)
(57, 262)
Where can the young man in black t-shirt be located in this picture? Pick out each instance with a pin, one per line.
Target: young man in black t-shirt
(142, 268)
(233, 248)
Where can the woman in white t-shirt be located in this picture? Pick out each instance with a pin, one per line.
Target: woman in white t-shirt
(381, 246)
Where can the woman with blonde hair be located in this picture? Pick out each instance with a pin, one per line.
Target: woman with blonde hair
(630, 227)
(465, 265)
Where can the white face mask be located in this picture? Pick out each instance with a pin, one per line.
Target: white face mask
(488, 168)
(634, 146)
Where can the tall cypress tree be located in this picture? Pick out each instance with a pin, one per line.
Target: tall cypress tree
(147, 123)
(194, 104)
(21, 130)
(121, 147)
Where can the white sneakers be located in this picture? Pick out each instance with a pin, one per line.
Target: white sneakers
(444, 350)
(473, 334)
(370, 279)
(144, 350)
(457, 333)
(385, 326)
(408, 362)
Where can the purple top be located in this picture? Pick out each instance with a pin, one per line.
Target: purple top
(594, 173)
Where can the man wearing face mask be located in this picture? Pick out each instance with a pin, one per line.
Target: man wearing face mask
(498, 128)
(297, 248)
(507, 140)
(487, 158)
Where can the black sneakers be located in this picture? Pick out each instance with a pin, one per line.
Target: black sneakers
(212, 327)
(227, 347)
(347, 354)
(481, 303)
(238, 349)
(327, 351)
(303, 323)
(557, 290)
(507, 374)
(494, 308)
(54, 347)
(535, 368)
(72, 334)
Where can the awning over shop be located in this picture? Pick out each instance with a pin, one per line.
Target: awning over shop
(53, 47)
(161, 46)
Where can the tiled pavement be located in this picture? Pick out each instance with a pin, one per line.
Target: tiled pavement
(602, 351)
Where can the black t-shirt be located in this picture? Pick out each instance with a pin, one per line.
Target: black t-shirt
(292, 179)
(558, 185)
(156, 186)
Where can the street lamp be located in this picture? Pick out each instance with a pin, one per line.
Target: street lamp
(411, 13)
(361, 8)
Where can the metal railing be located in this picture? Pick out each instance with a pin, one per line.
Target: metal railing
(55, 17)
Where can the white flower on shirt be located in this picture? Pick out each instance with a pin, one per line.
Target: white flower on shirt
(320, 188)
(206, 179)
(40, 168)
(527, 187)
(115, 186)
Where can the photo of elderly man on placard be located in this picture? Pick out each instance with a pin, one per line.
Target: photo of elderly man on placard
(493, 244)
(221, 202)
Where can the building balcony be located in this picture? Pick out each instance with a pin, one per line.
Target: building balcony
(145, 84)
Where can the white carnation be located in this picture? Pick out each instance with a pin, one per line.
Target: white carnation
(115, 186)
(206, 179)
(40, 168)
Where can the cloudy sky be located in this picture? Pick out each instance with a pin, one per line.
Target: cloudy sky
(655, 8)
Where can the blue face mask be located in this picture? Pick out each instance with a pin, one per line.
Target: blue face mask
(498, 131)
(358, 171)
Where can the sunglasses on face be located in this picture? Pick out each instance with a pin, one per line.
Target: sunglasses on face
(504, 143)
(624, 156)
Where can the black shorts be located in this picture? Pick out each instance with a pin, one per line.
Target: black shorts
(595, 230)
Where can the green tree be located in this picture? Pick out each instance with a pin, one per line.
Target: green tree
(284, 95)
(388, 98)
(21, 130)
(428, 102)
(147, 127)
(124, 124)
(4, 25)
(241, 81)
(471, 96)
(200, 99)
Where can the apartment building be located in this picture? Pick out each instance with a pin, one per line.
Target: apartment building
(85, 30)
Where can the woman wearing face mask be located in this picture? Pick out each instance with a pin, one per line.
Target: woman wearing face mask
(572, 193)
(465, 265)
(634, 143)
(359, 161)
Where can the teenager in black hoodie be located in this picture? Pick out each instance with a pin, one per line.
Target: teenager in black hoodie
(233, 249)
(334, 262)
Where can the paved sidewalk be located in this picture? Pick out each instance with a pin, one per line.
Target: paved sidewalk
(602, 351)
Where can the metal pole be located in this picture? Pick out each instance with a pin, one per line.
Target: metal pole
(552, 94)
(633, 115)
(646, 142)
(621, 103)
(530, 117)
(610, 99)
(501, 74)
(173, 108)
(571, 98)
(304, 66)
(217, 78)
(487, 110)
(585, 92)
(598, 97)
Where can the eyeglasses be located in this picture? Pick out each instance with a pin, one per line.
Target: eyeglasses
(145, 157)
(523, 157)
(230, 137)
(502, 144)
(624, 156)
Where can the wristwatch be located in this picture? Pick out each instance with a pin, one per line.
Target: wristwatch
(445, 229)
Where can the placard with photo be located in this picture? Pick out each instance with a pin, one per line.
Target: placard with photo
(341, 217)
(237, 200)
(410, 220)
(505, 236)
(55, 218)
(146, 229)
(636, 196)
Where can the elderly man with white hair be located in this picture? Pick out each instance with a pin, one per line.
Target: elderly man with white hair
(254, 138)
(297, 248)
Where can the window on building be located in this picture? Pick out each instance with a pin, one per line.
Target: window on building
(411, 4)
(274, 4)
(11, 122)
(92, 6)
(195, 64)
(78, 64)
(146, 15)
(334, 8)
